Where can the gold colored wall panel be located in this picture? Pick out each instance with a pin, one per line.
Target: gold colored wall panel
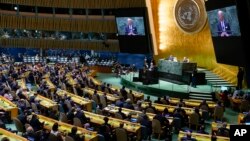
(197, 47)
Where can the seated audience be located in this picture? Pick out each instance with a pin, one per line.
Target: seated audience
(181, 103)
(31, 135)
(202, 130)
(165, 100)
(204, 105)
(148, 99)
(246, 117)
(55, 132)
(223, 131)
(35, 123)
(158, 101)
(74, 134)
(121, 113)
(185, 60)
(106, 129)
(188, 137)
(128, 104)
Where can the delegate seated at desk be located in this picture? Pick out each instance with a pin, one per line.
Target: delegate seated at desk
(188, 137)
(185, 60)
(170, 58)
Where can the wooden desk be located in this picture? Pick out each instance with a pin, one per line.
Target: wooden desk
(135, 114)
(49, 84)
(66, 128)
(8, 106)
(161, 107)
(110, 97)
(92, 73)
(114, 122)
(47, 75)
(77, 99)
(45, 102)
(96, 82)
(11, 136)
(70, 80)
(215, 126)
(202, 137)
(25, 75)
(22, 83)
(192, 102)
(137, 95)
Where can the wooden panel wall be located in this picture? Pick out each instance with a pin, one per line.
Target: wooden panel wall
(92, 4)
(60, 24)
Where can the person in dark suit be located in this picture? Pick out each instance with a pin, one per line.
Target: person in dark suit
(223, 131)
(188, 137)
(121, 113)
(79, 114)
(202, 130)
(247, 117)
(75, 136)
(106, 129)
(130, 28)
(223, 27)
(35, 123)
(240, 77)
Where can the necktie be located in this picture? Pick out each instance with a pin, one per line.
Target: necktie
(223, 26)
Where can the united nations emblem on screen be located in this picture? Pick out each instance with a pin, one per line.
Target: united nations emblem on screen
(190, 15)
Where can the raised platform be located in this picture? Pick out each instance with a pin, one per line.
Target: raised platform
(168, 88)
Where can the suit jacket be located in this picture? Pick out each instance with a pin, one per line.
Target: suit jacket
(227, 28)
(36, 124)
(76, 137)
(127, 30)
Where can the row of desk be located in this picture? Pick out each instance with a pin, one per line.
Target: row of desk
(114, 122)
(45, 102)
(202, 137)
(110, 97)
(77, 99)
(49, 84)
(11, 136)
(161, 107)
(192, 102)
(8, 106)
(134, 113)
(137, 95)
(66, 128)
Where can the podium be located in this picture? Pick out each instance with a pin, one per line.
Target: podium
(176, 71)
(147, 77)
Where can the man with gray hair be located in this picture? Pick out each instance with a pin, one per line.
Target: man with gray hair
(223, 27)
(130, 28)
